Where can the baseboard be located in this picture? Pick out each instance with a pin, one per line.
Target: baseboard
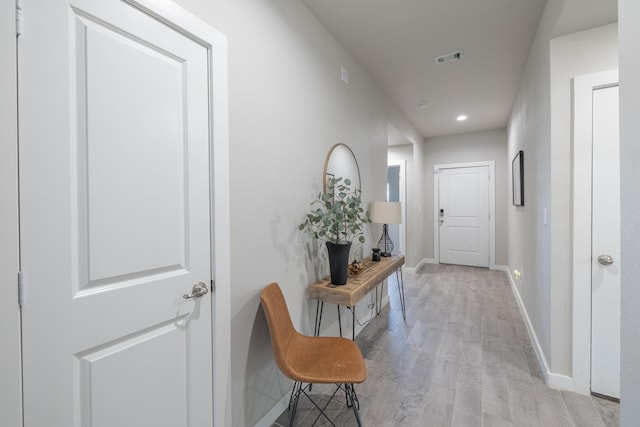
(561, 382)
(501, 268)
(275, 412)
(542, 360)
(420, 264)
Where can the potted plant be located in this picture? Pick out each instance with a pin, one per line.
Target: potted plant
(337, 218)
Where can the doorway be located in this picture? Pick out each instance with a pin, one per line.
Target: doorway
(464, 214)
(396, 185)
(596, 235)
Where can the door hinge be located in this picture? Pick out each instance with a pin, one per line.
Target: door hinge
(21, 290)
(19, 18)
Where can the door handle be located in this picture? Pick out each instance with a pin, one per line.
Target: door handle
(605, 259)
(198, 290)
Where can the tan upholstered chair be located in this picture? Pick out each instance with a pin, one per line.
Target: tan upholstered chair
(308, 360)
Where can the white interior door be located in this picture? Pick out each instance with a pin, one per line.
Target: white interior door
(605, 284)
(115, 218)
(463, 215)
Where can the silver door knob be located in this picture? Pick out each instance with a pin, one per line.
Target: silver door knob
(605, 259)
(198, 290)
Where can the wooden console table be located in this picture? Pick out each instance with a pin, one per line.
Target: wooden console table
(357, 286)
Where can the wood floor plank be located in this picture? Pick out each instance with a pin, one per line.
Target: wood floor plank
(516, 366)
(551, 407)
(524, 408)
(489, 420)
(609, 411)
(439, 406)
(467, 404)
(582, 410)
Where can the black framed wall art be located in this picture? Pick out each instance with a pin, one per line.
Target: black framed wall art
(517, 174)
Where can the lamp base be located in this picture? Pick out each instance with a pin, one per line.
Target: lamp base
(385, 244)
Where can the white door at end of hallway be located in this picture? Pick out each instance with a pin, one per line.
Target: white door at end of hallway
(463, 216)
(605, 245)
(115, 218)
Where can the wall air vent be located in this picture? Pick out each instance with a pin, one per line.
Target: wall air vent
(448, 57)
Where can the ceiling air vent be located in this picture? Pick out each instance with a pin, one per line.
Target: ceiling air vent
(448, 57)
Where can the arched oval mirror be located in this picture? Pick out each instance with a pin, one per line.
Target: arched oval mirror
(341, 163)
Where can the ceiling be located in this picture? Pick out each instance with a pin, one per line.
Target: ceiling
(395, 42)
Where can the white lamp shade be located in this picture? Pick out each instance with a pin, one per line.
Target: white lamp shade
(386, 212)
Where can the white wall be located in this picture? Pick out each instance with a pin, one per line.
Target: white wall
(10, 394)
(463, 148)
(629, 11)
(287, 108)
(540, 125)
(529, 130)
(571, 55)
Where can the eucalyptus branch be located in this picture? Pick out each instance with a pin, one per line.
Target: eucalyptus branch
(336, 215)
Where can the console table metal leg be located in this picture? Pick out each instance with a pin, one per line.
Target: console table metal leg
(353, 322)
(400, 281)
(319, 307)
(379, 299)
(339, 320)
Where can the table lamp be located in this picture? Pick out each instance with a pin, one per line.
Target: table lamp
(385, 213)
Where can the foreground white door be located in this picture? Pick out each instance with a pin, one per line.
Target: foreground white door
(115, 218)
(463, 216)
(605, 284)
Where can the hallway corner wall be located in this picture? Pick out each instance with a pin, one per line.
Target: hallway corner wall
(629, 25)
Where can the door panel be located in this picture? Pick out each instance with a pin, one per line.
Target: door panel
(464, 220)
(101, 371)
(124, 243)
(115, 218)
(605, 299)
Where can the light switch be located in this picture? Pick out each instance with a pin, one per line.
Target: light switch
(344, 75)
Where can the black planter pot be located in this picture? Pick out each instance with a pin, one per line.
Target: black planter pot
(338, 262)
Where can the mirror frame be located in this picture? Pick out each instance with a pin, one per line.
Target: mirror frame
(328, 158)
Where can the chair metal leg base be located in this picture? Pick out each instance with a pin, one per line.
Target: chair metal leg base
(353, 402)
(299, 389)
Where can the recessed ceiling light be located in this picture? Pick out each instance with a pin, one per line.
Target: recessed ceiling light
(423, 105)
(461, 118)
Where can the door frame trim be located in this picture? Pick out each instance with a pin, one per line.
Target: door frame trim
(10, 351)
(583, 87)
(491, 164)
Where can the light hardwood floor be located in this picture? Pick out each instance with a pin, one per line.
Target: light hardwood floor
(463, 358)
